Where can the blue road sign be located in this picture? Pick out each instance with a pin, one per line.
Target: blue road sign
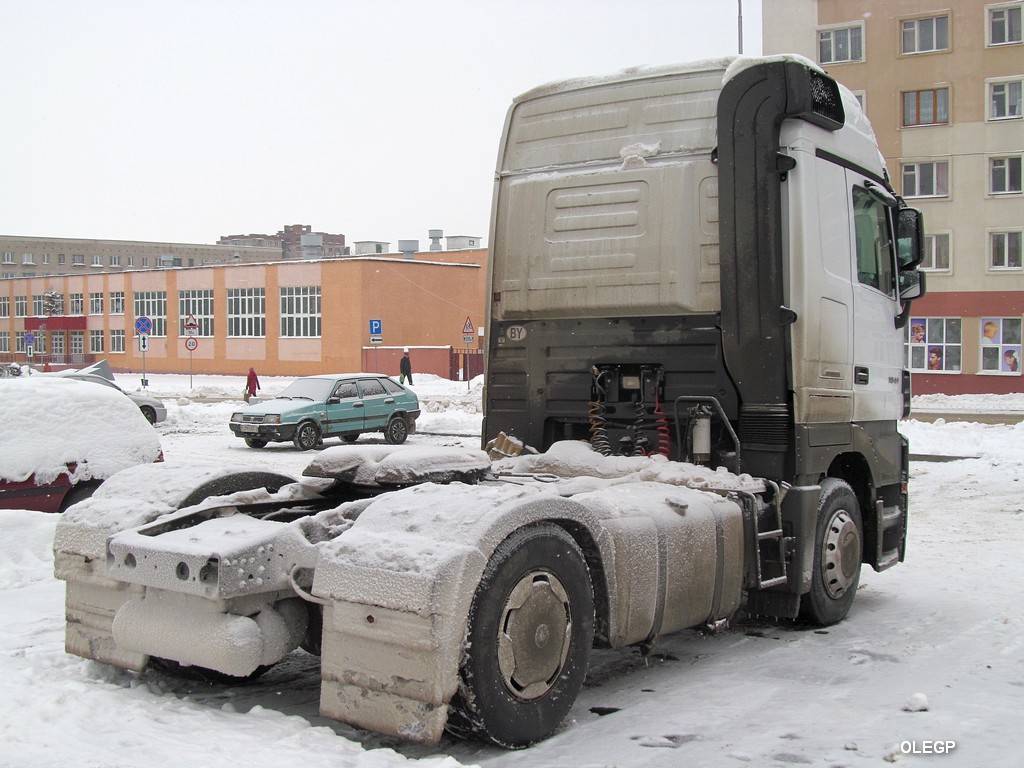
(30, 339)
(143, 325)
(376, 327)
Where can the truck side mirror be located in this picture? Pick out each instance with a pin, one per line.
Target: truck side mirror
(909, 238)
(912, 286)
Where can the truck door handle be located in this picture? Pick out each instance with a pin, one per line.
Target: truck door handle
(860, 375)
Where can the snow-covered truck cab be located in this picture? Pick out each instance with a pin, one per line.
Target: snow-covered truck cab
(708, 262)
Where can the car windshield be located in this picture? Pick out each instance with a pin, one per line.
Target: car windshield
(308, 389)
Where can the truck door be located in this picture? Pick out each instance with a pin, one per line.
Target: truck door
(877, 353)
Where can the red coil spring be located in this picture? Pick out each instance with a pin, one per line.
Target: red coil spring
(661, 427)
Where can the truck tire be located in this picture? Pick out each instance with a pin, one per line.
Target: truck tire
(837, 555)
(529, 636)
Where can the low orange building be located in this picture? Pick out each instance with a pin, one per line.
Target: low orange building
(293, 318)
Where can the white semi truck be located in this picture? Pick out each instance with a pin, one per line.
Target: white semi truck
(699, 280)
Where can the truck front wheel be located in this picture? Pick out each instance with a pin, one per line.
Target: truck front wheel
(837, 555)
(530, 630)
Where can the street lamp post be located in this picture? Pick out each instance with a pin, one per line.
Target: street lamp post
(739, 23)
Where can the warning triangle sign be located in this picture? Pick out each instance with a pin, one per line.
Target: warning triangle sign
(468, 327)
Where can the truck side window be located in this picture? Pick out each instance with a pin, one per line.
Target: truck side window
(874, 243)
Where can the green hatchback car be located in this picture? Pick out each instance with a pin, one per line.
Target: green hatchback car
(338, 405)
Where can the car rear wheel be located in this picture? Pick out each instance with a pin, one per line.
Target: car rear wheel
(396, 431)
(350, 438)
(307, 436)
(255, 442)
(149, 413)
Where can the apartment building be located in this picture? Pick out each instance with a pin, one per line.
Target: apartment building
(941, 83)
(41, 256)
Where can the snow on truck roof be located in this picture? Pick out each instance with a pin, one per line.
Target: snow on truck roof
(48, 423)
(729, 65)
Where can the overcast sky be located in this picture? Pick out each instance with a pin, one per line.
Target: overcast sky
(185, 120)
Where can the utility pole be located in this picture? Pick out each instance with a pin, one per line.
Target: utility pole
(739, 22)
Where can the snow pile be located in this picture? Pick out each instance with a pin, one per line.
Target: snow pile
(26, 541)
(48, 423)
(140, 495)
(397, 465)
(577, 459)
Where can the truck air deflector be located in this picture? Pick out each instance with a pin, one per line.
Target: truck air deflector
(751, 110)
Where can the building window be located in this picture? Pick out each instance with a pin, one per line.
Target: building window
(117, 302)
(115, 261)
(62, 259)
(117, 341)
(935, 344)
(21, 306)
(841, 44)
(76, 304)
(96, 342)
(929, 107)
(19, 341)
(1004, 25)
(247, 312)
(1005, 175)
(1004, 250)
(5, 306)
(5, 341)
(8, 257)
(925, 35)
(27, 260)
(926, 179)
(1004, 100)
(57, 342)
(46, 258)
(78, 342)
(936, 253)
(1000, 344)
(95, 303)
(78, 260)
(131, 261)
(198, 304)
(300, 312)
(97, 261)
(38, 306)
(39, 345)
(152, 304)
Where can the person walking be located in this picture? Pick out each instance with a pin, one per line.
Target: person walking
(252, 383)
(405, 368)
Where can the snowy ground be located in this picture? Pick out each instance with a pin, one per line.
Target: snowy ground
(946, 625)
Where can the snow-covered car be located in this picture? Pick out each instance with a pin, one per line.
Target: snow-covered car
(60, 439)
(337, 405)
(99, 373)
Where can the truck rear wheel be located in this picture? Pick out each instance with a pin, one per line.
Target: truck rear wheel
(837, 555)
(531, 627)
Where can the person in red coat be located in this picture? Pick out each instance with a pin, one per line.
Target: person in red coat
(252, 383)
